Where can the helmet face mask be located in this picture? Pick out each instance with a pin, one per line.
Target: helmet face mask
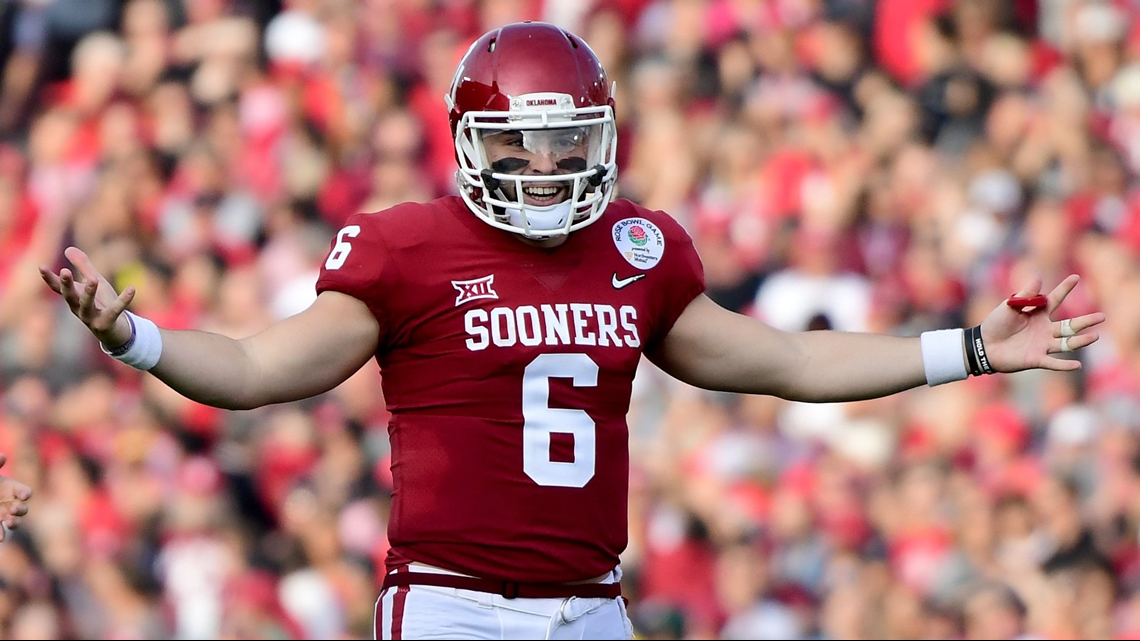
(532, 111)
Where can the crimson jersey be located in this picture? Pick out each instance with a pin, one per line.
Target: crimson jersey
(507, 370)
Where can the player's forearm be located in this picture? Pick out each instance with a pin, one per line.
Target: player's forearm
(211, 369)
(816, 367)
(302, 356)
(832, 366)
(716, 349)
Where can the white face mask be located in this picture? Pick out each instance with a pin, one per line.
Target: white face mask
(554, 128)
(546, 218)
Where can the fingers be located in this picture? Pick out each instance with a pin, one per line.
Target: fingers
(107, 318)
(12, 521)
(1032, 288)
(121, 302)
(14, 510)
(1074, 342)
(1061, 291)
(18, 491)
(87, 298)
(82, 264)
(11, 514)
(80, 288)
(13, 504)
(64, 282)
(51, 279)
(1079, 323)
(67, 288)
(1060, 364)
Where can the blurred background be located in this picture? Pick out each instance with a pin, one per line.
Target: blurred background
(864, 165)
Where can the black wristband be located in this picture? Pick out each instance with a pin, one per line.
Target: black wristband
(971, 356)
(976, 358)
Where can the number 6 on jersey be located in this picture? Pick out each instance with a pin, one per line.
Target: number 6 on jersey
(342, 247)
(540, 421)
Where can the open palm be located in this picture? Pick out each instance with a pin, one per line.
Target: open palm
(92, 298)
(1018, 340)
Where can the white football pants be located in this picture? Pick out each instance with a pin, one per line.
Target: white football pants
(430, 612)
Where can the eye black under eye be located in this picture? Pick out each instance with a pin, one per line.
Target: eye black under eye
(509, 165)
(572, 164)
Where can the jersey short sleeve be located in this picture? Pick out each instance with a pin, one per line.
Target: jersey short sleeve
(685, 278)
(359, 265)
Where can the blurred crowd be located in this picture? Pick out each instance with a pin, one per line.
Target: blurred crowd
(862, 165)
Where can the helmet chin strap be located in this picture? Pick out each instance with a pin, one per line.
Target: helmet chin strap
(546, 218)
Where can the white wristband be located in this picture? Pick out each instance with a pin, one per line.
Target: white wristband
(143, 349)
(942, 356)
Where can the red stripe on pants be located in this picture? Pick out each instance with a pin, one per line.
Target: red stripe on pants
(398, 602)
(398, 612)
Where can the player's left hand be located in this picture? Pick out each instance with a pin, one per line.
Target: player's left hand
(14, 497)
(1017, 340)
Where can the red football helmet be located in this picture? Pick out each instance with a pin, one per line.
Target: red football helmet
(545, 83)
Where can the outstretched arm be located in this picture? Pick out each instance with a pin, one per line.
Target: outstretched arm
(714, 348)
(298, 357)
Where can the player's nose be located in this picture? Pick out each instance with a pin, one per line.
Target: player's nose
(543, 164)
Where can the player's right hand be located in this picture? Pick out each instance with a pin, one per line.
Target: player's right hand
(91, 298)
(14, 497)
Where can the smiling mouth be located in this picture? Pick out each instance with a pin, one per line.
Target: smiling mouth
(543, 195)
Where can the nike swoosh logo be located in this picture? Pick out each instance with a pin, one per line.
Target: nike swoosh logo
(618, 283)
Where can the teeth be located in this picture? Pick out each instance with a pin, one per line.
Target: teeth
(541, 192)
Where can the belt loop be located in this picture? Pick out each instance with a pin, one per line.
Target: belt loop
(510, 590)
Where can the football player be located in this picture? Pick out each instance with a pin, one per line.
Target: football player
(509, 322)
